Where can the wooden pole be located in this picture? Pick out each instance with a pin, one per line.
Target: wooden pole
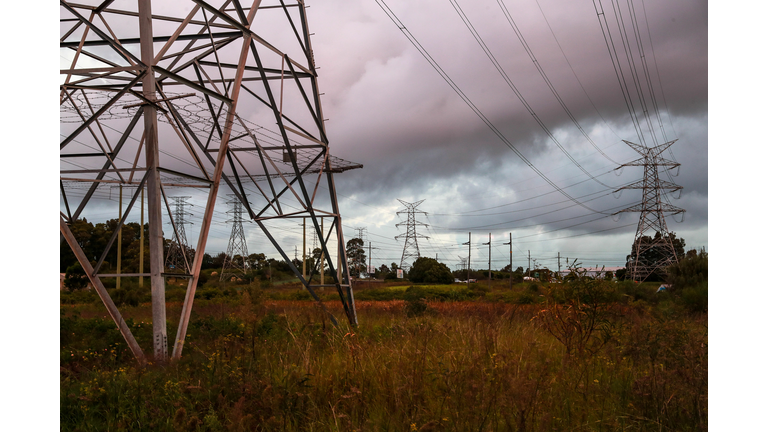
(510, 260)
(489, 261)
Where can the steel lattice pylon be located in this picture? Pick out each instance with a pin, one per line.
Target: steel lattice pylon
(411, 247)
(237, 245)
(179, 255)
(652, 210)
(186, 96)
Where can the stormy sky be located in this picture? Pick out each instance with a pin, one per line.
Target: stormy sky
(421, 137)
(507, 118)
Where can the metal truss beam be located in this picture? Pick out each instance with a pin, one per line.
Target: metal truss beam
(117, 90)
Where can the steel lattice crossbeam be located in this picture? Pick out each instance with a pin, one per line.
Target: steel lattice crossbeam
(156, 95)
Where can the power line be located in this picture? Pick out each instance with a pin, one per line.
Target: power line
(391, 15)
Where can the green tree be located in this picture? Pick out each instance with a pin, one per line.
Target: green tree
(654, 256)
(356, 256)
(382, 272)
(257, 261)
(689, 280)
(430, 270)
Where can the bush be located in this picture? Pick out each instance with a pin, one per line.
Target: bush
(691, 271)
(125, 296)
(639, 292)
(416, 307)
(525, 298)
(428, 270)
(75, 277)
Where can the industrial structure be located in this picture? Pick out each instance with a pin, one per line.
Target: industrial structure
(652, 250)
(180, 254)
(237, 246)
(411, 246)
(158, 96)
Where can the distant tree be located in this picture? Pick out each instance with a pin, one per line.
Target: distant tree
(430, 270)
(382, 272)
(218, 260)
(256, 261)
(692, 270)
(356, 256)
(316, 260)
(207, 261)
(654, 255)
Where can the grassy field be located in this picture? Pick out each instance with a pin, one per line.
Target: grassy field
(592, 356)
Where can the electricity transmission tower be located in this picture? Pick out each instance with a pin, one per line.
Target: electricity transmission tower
(234, 267)
(411, 247)
(179, 253)
(652, 249)
(198, 93)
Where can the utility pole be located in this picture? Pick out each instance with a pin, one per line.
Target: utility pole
(510, 259)
(529, 263)
(469, 258)
(558, 263)
(489, 260)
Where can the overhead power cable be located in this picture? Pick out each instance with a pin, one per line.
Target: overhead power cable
(546, 78)
(412, 39)
(512, 86)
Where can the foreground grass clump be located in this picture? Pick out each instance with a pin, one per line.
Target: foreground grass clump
(263, 364)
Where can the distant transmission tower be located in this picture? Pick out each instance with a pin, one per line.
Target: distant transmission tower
(237, 246)
(652, 210)
(180, 254)
(411, 248)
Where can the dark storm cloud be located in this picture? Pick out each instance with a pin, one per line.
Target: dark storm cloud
(391, 111)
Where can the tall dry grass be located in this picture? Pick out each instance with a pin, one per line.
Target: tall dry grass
(455, 366)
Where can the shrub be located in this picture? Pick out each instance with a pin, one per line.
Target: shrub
(691, 271)
(577, 314)
(524, 298)
(639, 292)
(125, 296)
(428, 270)
(75, 278)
